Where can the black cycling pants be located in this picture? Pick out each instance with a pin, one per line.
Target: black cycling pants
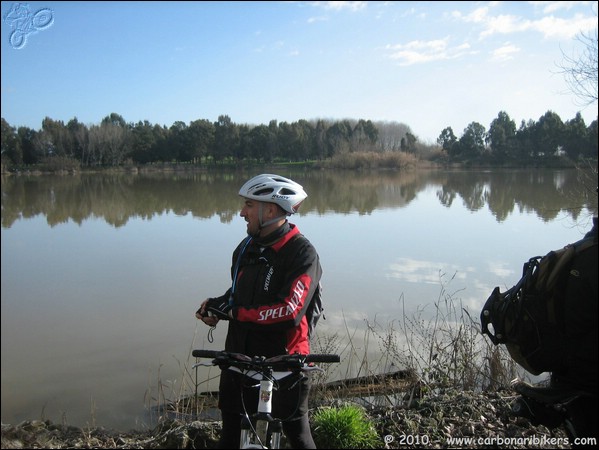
(239, 394)
(297, 432)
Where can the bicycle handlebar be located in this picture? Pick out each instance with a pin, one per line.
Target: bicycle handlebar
(296, 360)
(206, 353)
(322, 358)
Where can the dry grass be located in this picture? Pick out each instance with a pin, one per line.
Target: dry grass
(372, 160)
(442, 350)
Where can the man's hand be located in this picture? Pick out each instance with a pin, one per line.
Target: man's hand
(219, 308)
(205, 316)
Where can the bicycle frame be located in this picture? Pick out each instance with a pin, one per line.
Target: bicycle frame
(262, 430)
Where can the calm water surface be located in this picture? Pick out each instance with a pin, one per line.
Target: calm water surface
(102, 274)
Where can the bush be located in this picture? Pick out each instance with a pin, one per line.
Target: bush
(344, 427)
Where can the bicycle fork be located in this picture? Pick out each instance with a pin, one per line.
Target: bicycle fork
(267, 430)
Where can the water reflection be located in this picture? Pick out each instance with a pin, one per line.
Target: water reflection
(117, 198)
(101, 274)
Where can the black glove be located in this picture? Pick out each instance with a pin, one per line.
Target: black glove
(202, 314)
(219, 308)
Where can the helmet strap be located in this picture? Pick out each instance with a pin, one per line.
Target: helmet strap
(268, 222)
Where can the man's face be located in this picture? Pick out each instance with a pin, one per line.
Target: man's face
(250, 211)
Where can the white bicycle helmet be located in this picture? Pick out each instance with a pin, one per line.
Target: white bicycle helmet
(275, 189)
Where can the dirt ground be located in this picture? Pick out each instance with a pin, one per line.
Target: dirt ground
(480, 420)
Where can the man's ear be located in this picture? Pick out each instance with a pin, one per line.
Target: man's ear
(273, 210)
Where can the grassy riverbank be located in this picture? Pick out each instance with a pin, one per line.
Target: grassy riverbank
(449, 419)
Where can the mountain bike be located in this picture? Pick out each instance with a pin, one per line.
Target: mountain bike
(261, 429)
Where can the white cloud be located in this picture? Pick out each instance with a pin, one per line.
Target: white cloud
(335, 6)
(504, 53)
(551, 7)
(339, 6)
(421, 271)
(504, 24)
(550, 27)
(479, 15)
(500, 269)
(317, 19)
(417, 52)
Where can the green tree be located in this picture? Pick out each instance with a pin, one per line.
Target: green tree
(575, 137)
(10, 145)
(448, 140)
(109, 142)
(526, 144)
(472, 142)
(226, 138)
(26, 138)
(143, 142)
(178, 142)
(304, 138)
(320, 140)
(201, 138)
(54, 139)
(593, 140)
(339, 137)
(273, 149)
(408, 143)
(259, 143)
(502, 136)
(79, 138)
(114, 119)
(160, 149)
(364, 136)
(548, 133)
(286, 138)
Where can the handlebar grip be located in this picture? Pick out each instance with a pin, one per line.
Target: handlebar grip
(206, 353)
(322, 358)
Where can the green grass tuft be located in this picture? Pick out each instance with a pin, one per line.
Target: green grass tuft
(344, 427)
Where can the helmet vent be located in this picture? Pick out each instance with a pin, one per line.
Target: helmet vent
(263, 191)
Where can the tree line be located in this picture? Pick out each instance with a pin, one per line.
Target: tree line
(114, 142)
(531, 142)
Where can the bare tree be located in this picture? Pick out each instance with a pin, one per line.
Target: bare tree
(114, 143)
(581, 76)
(390, 135)
(581, 71)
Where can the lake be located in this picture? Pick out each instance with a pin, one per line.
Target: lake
(102, 274)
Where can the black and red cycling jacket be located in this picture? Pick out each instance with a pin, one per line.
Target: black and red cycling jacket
(273, 288)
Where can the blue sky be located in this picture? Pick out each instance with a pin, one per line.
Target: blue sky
(428, 65)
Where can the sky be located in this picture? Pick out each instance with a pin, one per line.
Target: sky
(428, 65)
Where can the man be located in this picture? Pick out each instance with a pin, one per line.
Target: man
(580, 371)
(275, 273)
(573, 394)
